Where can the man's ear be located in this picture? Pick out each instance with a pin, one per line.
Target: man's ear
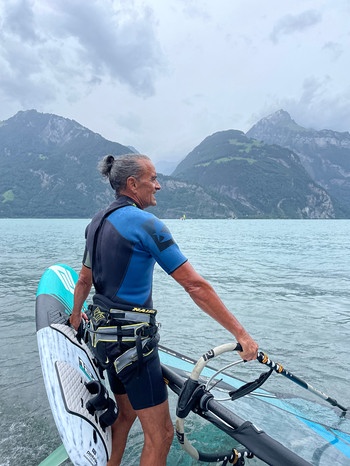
(131, 183)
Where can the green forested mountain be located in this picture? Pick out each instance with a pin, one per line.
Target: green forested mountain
(324, 154)
(262, 181)
(49, 169)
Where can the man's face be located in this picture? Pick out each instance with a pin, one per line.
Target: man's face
(147, 185)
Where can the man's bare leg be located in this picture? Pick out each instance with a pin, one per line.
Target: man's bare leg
(158, 432)
(121, 428)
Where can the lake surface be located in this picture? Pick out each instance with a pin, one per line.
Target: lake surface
(287, 281)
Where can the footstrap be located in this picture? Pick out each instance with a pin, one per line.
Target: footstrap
(100, 400)
(110, 415)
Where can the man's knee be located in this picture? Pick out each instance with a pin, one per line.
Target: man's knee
(126, 417)
(160, 438)
(169, 433)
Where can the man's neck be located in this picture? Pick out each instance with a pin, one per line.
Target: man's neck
(129, 197)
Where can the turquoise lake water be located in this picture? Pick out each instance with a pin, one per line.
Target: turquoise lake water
(287, 281)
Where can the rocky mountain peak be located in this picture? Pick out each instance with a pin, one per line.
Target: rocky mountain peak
(325, 154)
(47, 128)
(279, 117)
(276, 122)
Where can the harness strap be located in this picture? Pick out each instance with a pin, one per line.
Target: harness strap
(126, 333)
(102, 316)
(134, 316)
(136, 326)
(136, 353)
(117, 325)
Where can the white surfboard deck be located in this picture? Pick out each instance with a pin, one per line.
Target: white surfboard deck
(66, 366)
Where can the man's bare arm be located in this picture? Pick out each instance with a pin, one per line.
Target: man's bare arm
(204, 295)
(81, 292)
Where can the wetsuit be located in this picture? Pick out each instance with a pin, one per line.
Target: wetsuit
(123, 243)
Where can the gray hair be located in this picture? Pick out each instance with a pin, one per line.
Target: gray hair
(119, 169)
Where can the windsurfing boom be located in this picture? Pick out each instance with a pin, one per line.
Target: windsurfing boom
(200, 391)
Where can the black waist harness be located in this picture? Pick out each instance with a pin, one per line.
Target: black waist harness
(136, 327)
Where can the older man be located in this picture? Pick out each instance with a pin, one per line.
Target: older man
(123, 243)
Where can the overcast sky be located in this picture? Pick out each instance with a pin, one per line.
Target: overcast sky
(161, 75)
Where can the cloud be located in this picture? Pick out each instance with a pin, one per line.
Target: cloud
(129, 120)
(19, 20)
(313, 90)
(118, 43)
(66, 47)
(334, 48)
(194, 10)
(319, 106)
(289, 24)
(162, 75)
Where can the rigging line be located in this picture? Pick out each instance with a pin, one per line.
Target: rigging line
(231, 364)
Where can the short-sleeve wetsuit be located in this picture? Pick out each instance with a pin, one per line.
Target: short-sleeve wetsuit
(123, 244)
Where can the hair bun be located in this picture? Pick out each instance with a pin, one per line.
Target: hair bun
(105, 165)
(109, 159)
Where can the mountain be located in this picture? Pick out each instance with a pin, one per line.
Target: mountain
(48, 167)
(177, 198)
(261, 180)
(324, 154)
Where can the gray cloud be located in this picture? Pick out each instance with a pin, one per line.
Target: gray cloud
(329, 113)
(334, 48)
(290, 24)
(318, 107)
(312, 90)
(119, 44)
(130, 120)
(19, 20)
(96, 61)
(322, 107)
(71, 46)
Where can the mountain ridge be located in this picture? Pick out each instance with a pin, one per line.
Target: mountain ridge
(325, 154)
(49, 169)
(268, 181)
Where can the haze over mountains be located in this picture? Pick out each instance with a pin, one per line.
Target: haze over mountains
(277, 170)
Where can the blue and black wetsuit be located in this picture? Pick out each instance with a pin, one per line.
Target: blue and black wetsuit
(123, 243)
(123, 250)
